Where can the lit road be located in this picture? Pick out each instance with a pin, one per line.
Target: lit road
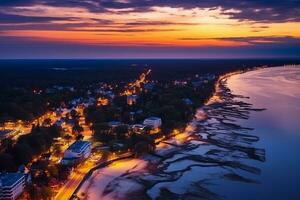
(67, 190)
(79, 173)
(76, 177)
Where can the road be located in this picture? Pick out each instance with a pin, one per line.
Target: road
(78, 174)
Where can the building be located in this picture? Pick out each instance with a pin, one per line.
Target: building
(102, 101)
(5, 133)
(76, 152)
(11, 185)
(132, 99)
(59, 123)
(114, 124)
(187, 101)
(154, 122)
(149, 86)
(138, 128)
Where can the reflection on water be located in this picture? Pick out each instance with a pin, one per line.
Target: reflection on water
(278, 90)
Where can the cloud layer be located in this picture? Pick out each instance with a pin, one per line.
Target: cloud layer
(169, 27)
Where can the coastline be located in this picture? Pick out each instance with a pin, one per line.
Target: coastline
(204, 140)
(167, 147)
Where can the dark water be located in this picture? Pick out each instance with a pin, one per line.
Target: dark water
(278, 90)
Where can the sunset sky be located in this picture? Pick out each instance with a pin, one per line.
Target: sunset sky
(149, 28)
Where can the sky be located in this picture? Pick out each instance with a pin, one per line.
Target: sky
(149, 28)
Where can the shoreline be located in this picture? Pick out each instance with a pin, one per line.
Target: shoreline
(181, 137)
(255, 154)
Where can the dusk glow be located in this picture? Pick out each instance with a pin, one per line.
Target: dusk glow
(149, 99)
(129, 28)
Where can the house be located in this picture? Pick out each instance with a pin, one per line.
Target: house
(59, 123)
(11, 185)
(76, 152)
(154, 122)
(187, 101)
(197, 84)
(149, 86)
(7, 133)
(114, 124)
(24, 170)
(118, 147)
(138, 128)
(132, 99)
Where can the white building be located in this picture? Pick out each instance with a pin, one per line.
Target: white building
(11, 185)
(138, 128)
(76, 152)
(154, 122)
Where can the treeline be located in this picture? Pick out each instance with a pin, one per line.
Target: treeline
(166, 101)
(24, 104)
(20, 77)
(124, 136)
(27, 147)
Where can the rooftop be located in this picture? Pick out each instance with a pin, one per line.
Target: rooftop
(8, 179)
(114, 123)
(76, 146)
(5, 132)
(153, 118)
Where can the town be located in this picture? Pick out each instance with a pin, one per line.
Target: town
(48, 156)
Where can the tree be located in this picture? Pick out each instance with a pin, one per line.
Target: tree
(47, 122)
(147, 130)
(102, 133)
(121, 132)
(143, 147)
(6, 144)
(22, 153)
(74, 114)
(55, 131)
(68, 138)
(142, 144)
(77, 128)
(7, 162)
(57, 149)
(79, 137)
(120, 101)
(101, 128)
(53, 171)
(46, 193)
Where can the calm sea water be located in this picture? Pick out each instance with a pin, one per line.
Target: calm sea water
(278, 127)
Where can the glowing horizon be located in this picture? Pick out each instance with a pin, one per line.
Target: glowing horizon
(138, 25)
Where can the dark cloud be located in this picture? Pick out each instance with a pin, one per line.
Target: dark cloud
(269, 11)
(9, 18)
(253, 40)
(76, 27)
(16, 2)
(129, 30)
(157, 23)
(253, 10)
(265, 39)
